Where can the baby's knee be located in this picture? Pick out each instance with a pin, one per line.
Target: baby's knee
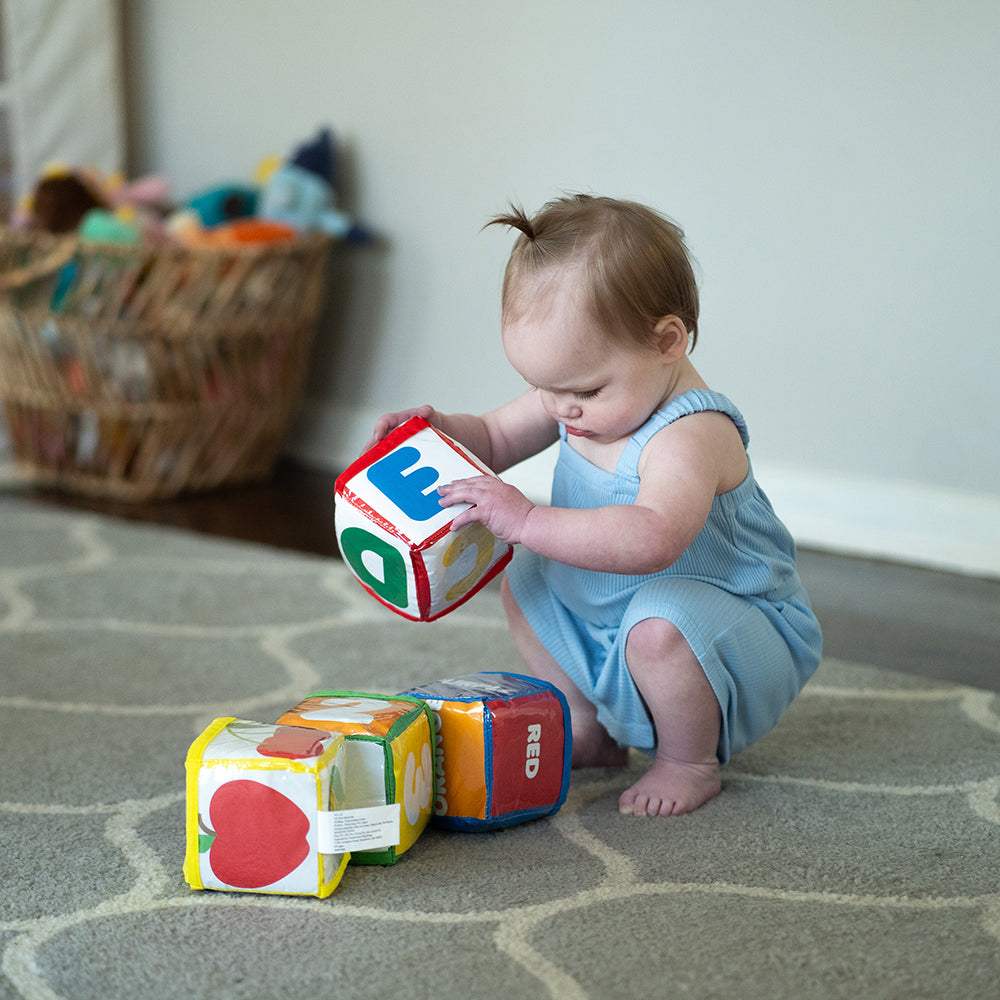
(655, 640)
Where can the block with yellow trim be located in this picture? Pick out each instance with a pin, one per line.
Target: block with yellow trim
(397, 538)
(389, 746)
(261, 804)
(503, 749)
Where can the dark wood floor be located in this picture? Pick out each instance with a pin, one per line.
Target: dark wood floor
(904, 618)
(293, 510)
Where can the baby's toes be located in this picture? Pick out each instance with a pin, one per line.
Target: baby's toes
(634, 803)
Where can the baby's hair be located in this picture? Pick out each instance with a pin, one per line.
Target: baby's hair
(636, 266)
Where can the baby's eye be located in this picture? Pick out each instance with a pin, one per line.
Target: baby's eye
(587, 393)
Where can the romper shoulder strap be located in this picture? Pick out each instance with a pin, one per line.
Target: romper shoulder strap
(690, 402)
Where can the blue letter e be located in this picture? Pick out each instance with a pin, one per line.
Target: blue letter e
(406, 490)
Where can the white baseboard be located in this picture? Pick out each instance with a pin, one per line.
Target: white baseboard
(902, 521)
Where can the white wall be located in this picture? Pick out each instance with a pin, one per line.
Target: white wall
(835, 165)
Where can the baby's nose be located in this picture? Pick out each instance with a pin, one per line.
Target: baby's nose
(568, 408)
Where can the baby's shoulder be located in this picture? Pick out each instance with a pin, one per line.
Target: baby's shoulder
(706, 442)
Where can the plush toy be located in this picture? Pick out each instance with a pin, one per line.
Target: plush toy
(223, 203)
(262, 804)
(389, 742)
(60, 201)
(149, 194)
(503, 751)
(102, 208)
(136, 210)
(395, 535)
(186, 228)
(302, 193)
(102, 226)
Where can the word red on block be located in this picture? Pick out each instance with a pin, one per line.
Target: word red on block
(504, 744)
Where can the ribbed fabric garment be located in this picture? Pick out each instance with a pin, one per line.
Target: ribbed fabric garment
(735, 595)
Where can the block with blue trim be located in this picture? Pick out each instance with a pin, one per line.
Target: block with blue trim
(503, 749)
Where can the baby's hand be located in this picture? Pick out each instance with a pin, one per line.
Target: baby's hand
(502, 508)
(390, 421)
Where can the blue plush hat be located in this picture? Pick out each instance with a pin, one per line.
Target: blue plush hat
(316, 156)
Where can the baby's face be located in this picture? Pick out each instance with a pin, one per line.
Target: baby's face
(602, 387)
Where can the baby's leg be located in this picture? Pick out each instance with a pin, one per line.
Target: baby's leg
(686, 714)
(592, 746)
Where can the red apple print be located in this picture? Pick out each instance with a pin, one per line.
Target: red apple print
(293, 742)
(260, 835)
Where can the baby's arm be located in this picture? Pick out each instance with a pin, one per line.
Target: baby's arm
(501, 438)
(680, 473)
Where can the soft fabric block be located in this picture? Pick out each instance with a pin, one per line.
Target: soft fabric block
(503, 749)
(259, 804)
(389, 743)
(397, 538)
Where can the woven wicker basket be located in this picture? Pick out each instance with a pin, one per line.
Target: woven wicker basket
(138, 373)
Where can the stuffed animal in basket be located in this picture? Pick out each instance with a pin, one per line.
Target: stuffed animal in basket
(103, 208)
(302, 193)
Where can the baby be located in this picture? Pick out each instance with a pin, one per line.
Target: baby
(659, 590)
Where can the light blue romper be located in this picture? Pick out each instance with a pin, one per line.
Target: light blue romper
(734, 594)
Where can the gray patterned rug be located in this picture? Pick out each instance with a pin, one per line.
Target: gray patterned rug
(855, 852)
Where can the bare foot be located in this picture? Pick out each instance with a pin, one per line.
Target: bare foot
(593, 747)
(670, 788)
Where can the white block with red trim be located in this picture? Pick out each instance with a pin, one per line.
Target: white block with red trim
(397, 538)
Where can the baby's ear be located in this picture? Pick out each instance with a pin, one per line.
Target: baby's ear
(671, 337)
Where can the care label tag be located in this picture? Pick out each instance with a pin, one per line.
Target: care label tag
(358, 829)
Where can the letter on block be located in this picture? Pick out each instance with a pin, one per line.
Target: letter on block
(259, 803)
(503, 750)
(389, 746)
(397, 538)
